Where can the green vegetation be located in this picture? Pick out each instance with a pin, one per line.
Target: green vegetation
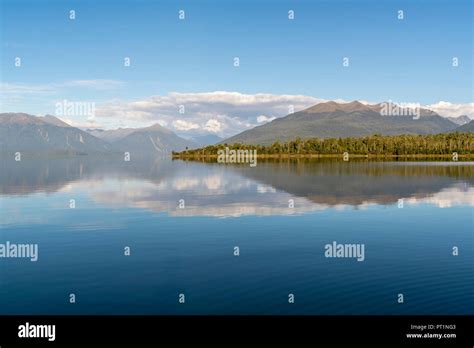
(333, 120)
(377, 145)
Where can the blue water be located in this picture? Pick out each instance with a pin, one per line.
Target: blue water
(191, 250)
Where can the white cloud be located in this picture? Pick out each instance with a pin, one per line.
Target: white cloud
(263, 118)
(20, 89)
(222, 113)
(26, 89)
(89, 123)
(99, 84)
(213, 126)
(40, 98)
(448, 109)
(162, 123)
(184, 125)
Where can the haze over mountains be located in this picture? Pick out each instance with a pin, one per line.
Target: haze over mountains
(468, 127)
(331, 119)
(204, 140)
(148, 140)
(460, 120)
(23, 132)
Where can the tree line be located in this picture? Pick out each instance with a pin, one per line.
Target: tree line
(433, 144)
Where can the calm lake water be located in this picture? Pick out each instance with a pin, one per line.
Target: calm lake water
(408, 245)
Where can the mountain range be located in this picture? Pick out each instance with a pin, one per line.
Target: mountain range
(466, 128)
(460, 120)
(332, 120)
(24, 132)
(204, 140)
(144, 140)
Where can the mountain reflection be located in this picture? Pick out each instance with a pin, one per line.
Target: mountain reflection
(210, 189)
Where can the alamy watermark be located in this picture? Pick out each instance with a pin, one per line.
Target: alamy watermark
(400, 109)
(69, 108)
(28, 330)
(12, 250)
(237, 156)
(345, 250)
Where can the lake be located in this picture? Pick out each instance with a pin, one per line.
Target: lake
(130, 237)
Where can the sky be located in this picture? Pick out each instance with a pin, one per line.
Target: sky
(182, 72)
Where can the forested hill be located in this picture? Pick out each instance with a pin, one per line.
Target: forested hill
(438, 144)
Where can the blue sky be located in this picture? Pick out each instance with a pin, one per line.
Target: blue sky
(407, 60)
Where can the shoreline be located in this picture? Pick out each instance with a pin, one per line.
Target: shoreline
(304, 156)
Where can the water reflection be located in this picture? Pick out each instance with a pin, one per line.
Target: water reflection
(219, 190)
(135, 204)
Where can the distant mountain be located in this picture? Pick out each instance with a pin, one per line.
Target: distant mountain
(331, 119)
(466, 128)
(153, 139)
(112, 134)
(205, 140)
(23, 132)
(460, 120)
(54, 121)
(94, 131)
